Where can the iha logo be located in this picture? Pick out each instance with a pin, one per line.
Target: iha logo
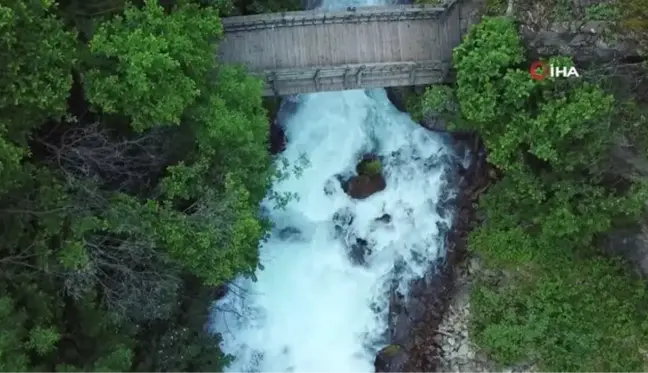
(541, 70)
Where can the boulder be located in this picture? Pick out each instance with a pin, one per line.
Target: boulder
(391, 358)
(363, 186)
(277, 138)
(369, 179)
(384, 218)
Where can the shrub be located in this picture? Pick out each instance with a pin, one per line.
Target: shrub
(583, 316)
(562, 311)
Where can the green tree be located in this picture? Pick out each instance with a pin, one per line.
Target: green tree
(152, 66)
(561, 122)
(132, 165)
(562, 304)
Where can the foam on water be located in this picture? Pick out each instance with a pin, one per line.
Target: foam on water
(311, 309)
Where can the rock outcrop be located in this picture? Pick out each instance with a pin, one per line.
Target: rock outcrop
(458, 353)
(391, 358)
(363, 186)
(277, 138)
(369, 179)
(550, 29)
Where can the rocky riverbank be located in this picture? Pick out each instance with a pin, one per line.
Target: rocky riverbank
(415, 321)
(457, 352)
(437, 337)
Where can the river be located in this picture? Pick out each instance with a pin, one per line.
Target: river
(313, 308)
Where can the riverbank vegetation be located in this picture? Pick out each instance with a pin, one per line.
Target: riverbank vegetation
(131, 168)
(562, 303)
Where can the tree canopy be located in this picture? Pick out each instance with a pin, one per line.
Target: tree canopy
(564, 304)
(131, 169)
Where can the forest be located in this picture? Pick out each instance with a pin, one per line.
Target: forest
(131, 170)
(132, 165)
(561, 302)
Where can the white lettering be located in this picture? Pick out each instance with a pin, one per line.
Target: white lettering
(572, 72)
(560, 71)
(563, 71)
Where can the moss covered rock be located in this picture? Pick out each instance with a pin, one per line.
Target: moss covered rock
(369, 179)
(392, 358)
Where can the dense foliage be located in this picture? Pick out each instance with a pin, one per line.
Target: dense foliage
(131, 168)
(562, 304)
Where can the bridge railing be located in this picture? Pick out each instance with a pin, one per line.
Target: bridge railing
(392, 13)
(359, 76)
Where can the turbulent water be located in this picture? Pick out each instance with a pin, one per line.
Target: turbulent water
(316, 306)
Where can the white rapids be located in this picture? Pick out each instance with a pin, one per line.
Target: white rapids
(311, 309)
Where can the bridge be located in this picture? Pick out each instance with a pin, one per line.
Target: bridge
(363, 47)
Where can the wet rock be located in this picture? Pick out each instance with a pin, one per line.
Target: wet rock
(289, 232)
(448, 199)
(391, 358)
(434, 122)
(363, 186)
(399, 96)
(277, 138)
(398, 319)
(384, 218)
(444, 207)
(369, 179)
(342, 219)
(329, 187)
(359, 251)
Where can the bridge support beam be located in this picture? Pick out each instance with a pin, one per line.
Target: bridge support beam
(345, 81)
(273, 83)
(359, 76)
(316, 79)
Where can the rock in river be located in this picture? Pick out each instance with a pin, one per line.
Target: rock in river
(391, 358)
(368, 181)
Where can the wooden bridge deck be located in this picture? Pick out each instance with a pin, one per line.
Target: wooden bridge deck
(365, 47)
